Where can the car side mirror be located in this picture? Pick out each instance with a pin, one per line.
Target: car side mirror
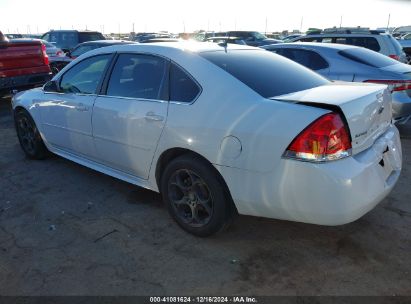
(51, 86)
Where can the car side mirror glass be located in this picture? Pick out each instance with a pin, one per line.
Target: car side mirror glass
(51, 86)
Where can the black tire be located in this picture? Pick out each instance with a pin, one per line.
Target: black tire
(196, 196)
(29, 136)
(54, 69)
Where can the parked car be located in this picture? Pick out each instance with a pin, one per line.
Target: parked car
(54, 53)
(377, 41)
(67, 40)
(92, 45)
(251, 38)
(219, 129)
(405, 42)
(22, 65)
(142, 37)
(291, 37)
(14, 36)
(82, 48)
(351, 63)
(401, 30)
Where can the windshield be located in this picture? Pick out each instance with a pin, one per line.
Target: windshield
(258, 36)
(368, 57)
(90, 36)
(266, 73)
(80, 50)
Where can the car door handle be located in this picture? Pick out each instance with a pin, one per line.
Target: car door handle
(154, 117)
(81, 107)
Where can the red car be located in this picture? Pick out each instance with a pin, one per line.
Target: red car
(22, 65)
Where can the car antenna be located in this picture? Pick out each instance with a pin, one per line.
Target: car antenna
(224, 44)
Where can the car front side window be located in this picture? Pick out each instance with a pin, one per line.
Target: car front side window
(84, 77)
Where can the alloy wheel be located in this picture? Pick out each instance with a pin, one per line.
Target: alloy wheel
(190, 198)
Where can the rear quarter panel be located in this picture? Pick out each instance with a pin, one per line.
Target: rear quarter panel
(228, 108)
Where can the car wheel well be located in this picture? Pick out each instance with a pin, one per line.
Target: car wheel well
(169, 155)
(20, 108)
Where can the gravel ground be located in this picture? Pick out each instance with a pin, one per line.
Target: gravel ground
(68, 230)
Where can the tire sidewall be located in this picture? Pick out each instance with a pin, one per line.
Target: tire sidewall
(204, 170)
(40, 150)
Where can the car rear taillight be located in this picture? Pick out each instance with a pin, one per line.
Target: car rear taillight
(45, 57)
(59, 53)
(326, 139)
(394, 85)
(396, 57)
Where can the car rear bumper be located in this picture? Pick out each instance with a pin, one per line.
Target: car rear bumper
(333, 193)
(23, 81)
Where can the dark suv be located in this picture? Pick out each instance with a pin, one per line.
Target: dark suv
(69, 39)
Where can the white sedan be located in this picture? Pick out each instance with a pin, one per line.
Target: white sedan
(219, 129)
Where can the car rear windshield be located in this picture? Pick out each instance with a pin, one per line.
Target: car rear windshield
(92, 36)
(367, 57)
(266, 73)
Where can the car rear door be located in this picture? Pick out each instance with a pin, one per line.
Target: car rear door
(130, 114)
(66, 115)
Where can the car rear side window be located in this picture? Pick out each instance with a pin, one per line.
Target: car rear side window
(367, 57)
(307, 58)
(182, 87)
(137, 76)
(84, 77)
(266, 73)
(366, 42)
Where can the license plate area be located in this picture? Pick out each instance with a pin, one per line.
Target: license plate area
(385, 163)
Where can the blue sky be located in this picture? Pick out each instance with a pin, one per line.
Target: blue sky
(154, 15)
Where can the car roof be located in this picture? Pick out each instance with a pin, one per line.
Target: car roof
(343, 35)
(73, 31)
(317, 45)
(164, 47)
(23, 40)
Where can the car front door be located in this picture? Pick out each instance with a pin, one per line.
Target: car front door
(129, 115)
(66, 114)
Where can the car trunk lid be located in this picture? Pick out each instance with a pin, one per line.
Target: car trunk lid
(16, 57)
(400, 68)
(366, 108)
